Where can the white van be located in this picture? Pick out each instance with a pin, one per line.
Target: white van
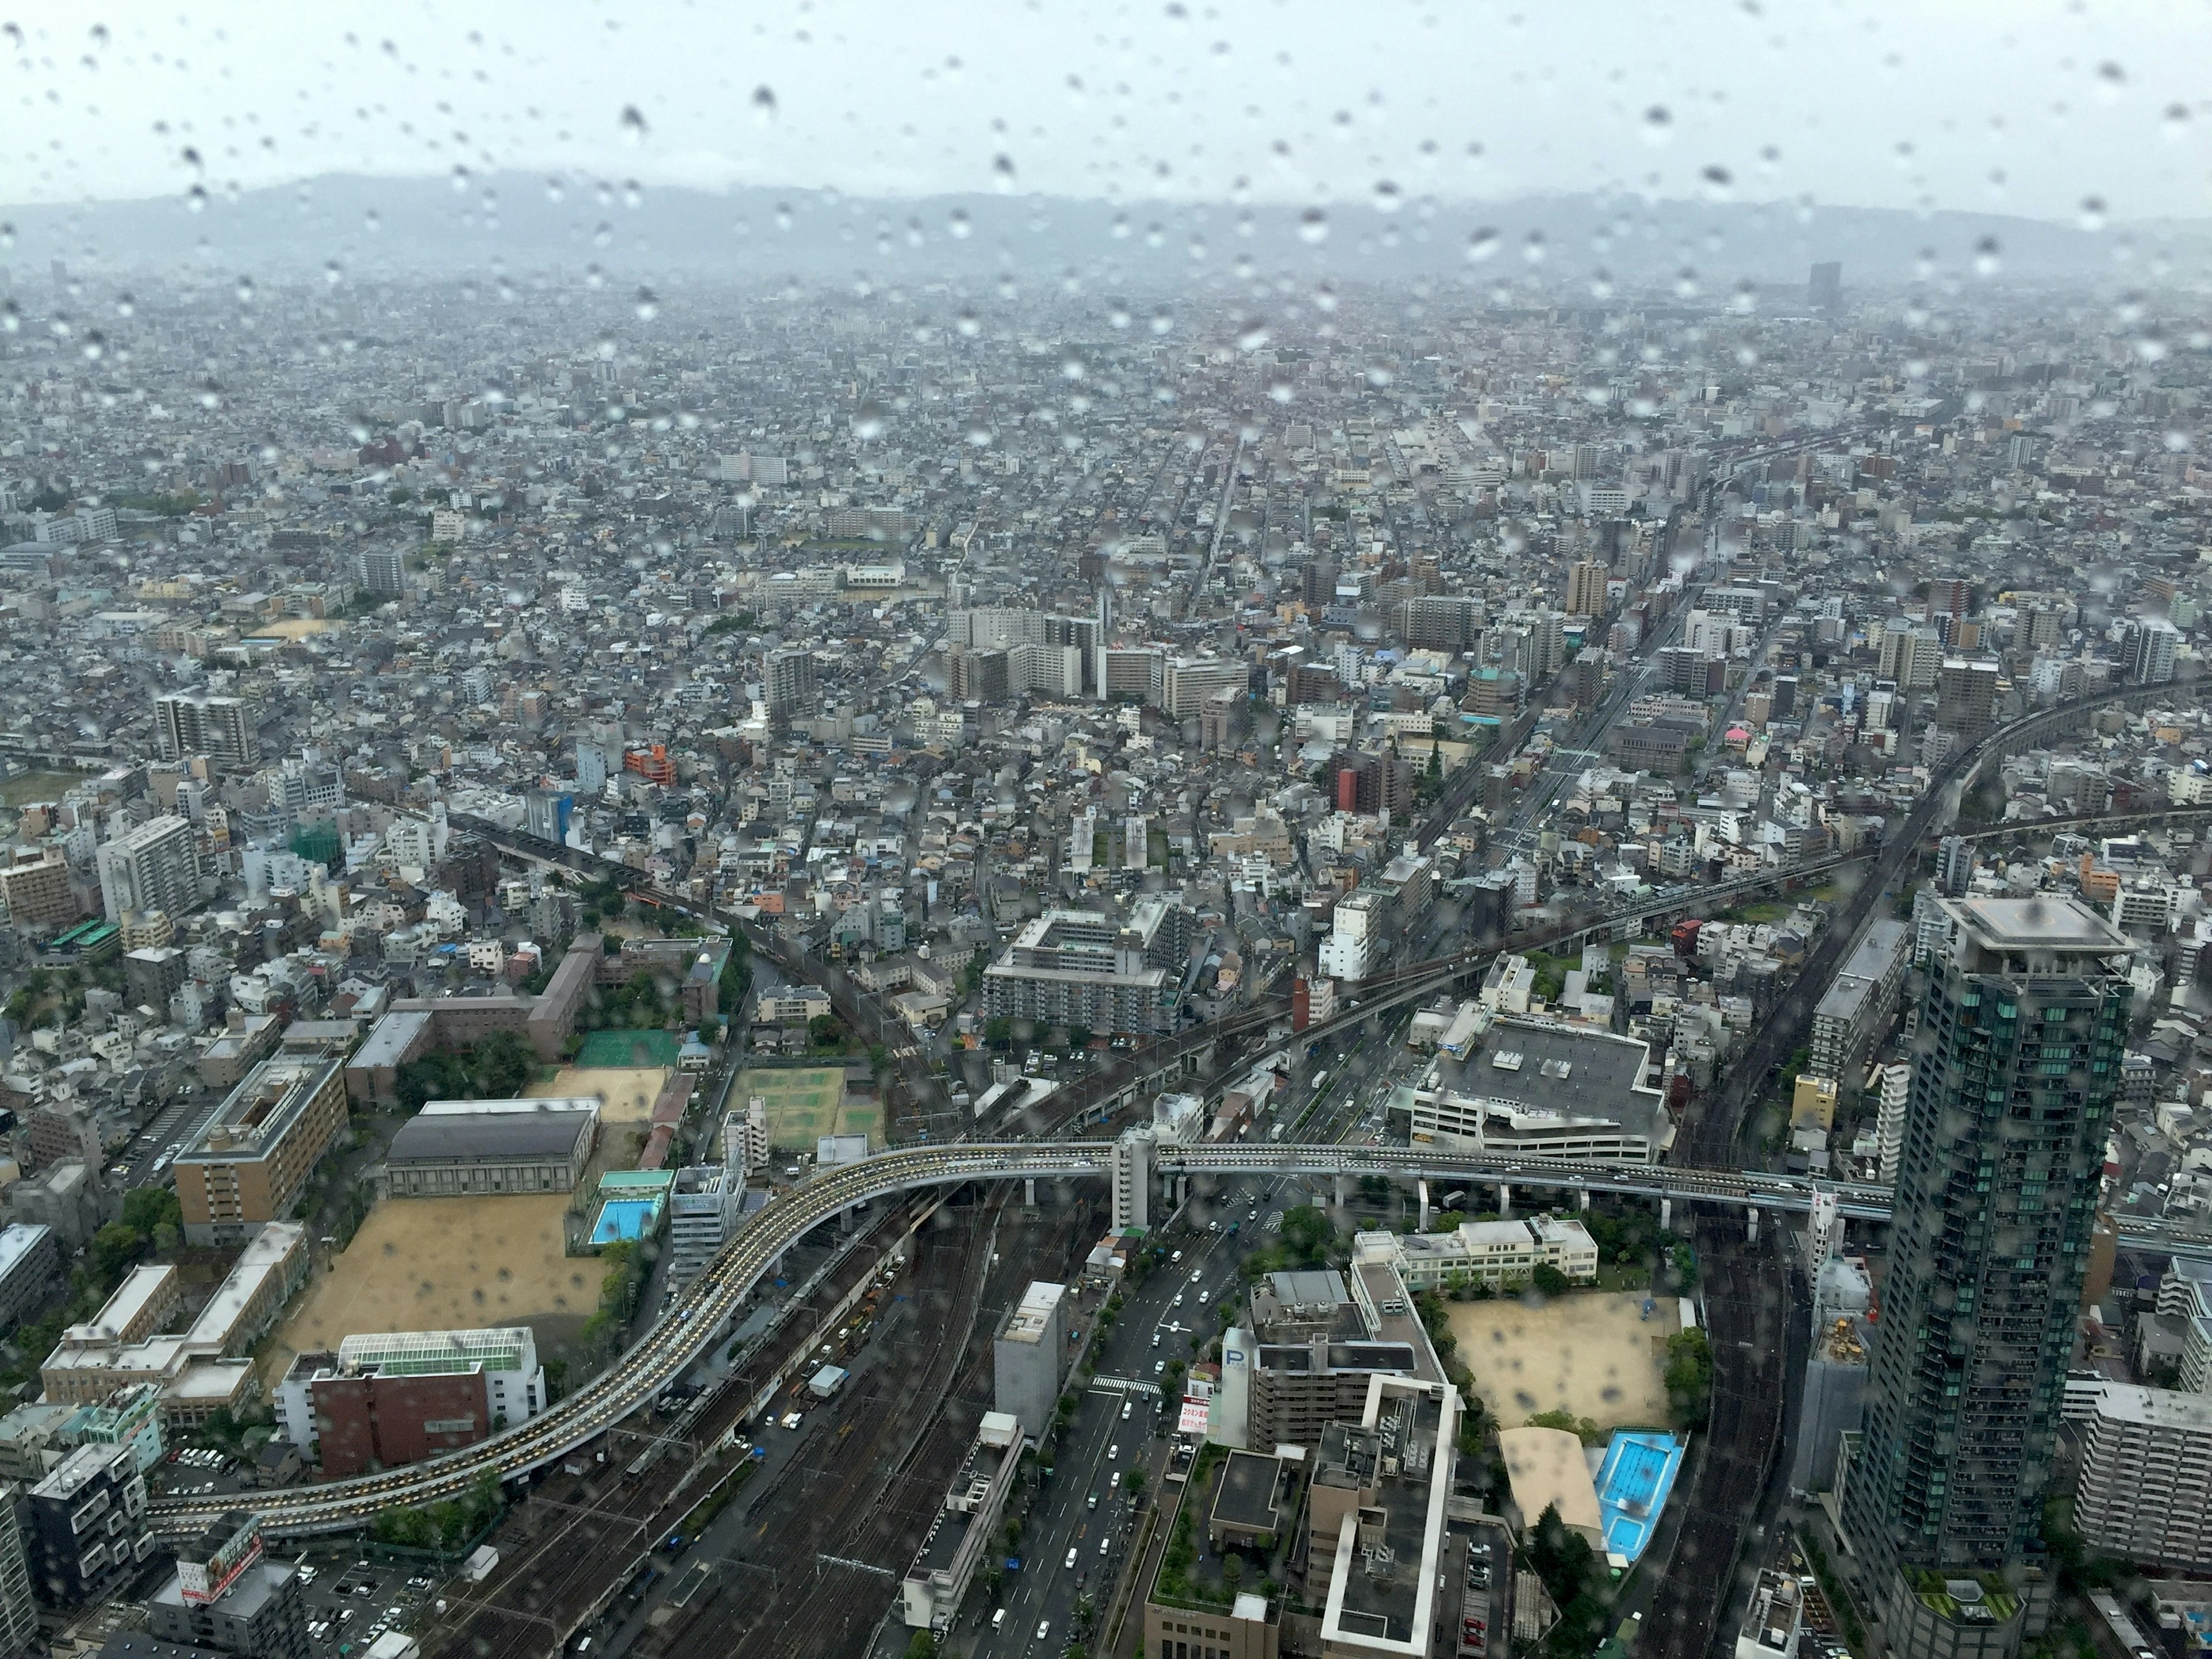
(998, 1619)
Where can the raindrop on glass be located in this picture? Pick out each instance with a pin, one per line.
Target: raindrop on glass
(763, 105)
(1313, 226)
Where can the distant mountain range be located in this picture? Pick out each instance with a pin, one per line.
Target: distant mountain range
(513, 223)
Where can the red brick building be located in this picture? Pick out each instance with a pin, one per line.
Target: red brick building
(371, 1422)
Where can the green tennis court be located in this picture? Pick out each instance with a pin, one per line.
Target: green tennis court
(806, 1102)
(628, 1048)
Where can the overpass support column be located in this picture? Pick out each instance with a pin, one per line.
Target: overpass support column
(1422, 1187)
(1585, 1205)
(1340, 1192)
(1505, 1201)
(1753, 1232)
(1666, 1215)
(1029, 1192)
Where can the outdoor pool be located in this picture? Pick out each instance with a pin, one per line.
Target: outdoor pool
(1632, 1485)
(624, 1217)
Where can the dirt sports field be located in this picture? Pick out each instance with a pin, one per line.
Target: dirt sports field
(806, 1102)
(626, 1093)
(424, 1264)
(1590, 1353)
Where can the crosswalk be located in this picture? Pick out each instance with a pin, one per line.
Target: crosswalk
(1126, 1385)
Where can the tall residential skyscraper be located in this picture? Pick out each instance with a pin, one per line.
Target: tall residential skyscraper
(155, 867)
(2011, 1099)
(227, 730)
(1586, 581)
(1826, 290)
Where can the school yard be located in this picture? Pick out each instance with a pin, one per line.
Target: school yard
(1591, 1353)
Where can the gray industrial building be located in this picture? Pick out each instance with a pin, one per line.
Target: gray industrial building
(30, 1267)
(1025, 1358)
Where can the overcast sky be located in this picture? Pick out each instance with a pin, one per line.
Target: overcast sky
(2028, 106)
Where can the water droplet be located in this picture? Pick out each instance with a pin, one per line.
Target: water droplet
(633, 193)
(460, 178)
(11, 317)
(601, 233)
(371, 222)
(633, 123)
(196, 198)
(1117, 314)
(1685, 283)
(191, 158)
(1716, 184)
(1324, 298)
(1985, 257)
(555, 190)
(2093, 213)
(1600, 283)
(2174, 123)
(1161, 321)
(1251, 334)
(1658, 124)
(978, 434)
(957, 223)
(868, 422)
(1120, 226)
(245, 290)
(648, 308)
(1481, 243)
(1006, 289)
(594, 277)
(125, 306)
(1386, 197)
(1313, 226)
(1533, 249)
(968, 323)
(763, 105)
(783, 215)
(1002, 172)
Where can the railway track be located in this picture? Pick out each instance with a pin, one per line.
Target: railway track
(818, 1572)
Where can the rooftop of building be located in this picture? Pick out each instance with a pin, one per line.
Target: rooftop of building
(1031, 1320)
(1566, 1073)
(421, 1354)
(2046, 923)
(261, 1110)
(1385, 1590)
(451, 1137)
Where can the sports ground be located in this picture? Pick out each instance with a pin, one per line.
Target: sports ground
(806, 1102)
(1592, 1354)
(608, 1050)
(427, 1264)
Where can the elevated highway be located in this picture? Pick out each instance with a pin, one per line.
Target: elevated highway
(703, 1312)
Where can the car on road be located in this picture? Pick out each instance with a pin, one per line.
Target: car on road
(1106, 1544)
(1128, 1406)
(1044, 1629)
(1197, 1274)
(1070, 1563)
(1158, 1365)
(1113, 1452)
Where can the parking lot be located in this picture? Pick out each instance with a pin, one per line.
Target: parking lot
(351, 1601)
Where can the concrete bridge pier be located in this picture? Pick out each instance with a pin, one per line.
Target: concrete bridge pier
(1666, 1215)
(1505, 1201)
(1029, 1192)
(1585, 1205)
(1340, 1196)
(1753, 1232)
(1422, 1187)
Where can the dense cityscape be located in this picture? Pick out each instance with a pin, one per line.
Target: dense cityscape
(1324, 969)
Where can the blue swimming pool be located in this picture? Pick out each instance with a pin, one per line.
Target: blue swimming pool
(1633, 1487)
(624, 1217)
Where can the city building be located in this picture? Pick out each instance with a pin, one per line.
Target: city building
(199, 1371)
(1069, 967)
(2013, 1089)
(1965, 696)
(1494, 1253)
(155, 866)
(254, 1157)
(19, 1606)
(1775, 1620)
(30, 1271)
(453, 1148)
(1381, 1486)
(1025, 1358)
(227, 730)
(704, 1209)
(227, 1597)
(791, 682)
(1854, 1014)
(390, 1398)
(1546, 1090)
(964, 1530)
(87, 1526)
(2144, 1494)
(36, 887)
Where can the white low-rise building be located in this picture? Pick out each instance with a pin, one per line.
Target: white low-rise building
(1492, 1253)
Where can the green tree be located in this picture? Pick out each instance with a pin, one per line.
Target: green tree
(998, 1032)
(114, 1248)
(146, 1208)
(1078, 1038)
(921, 1645)
(1689, 1375)
(1549, 1280)
(826, 1031)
